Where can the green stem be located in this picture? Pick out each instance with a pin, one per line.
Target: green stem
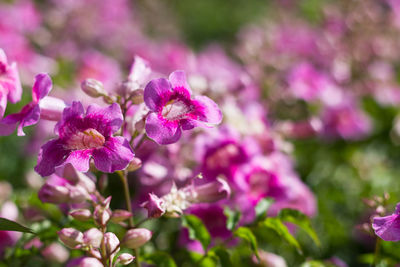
(377, 250)
(124, 178)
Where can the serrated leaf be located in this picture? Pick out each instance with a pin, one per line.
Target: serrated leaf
(232, 218)
(197, 230)
(301, 220)
(246, 234)
(281, 229)
(160, 259)
(262, 207)
(7, 225)
(223, 256)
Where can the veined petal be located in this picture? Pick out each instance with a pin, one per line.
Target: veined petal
(42, 87)
(72, 120)
(179, 83)
(51, 155)
(388, 227)
(80, 159)
(106, 120)
(162, 131)
(208, 110)
(156, 93)
(114, 155)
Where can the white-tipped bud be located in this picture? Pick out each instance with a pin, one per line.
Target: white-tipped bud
(93, 237)
(81, 214)
(120, 215)
(134, 165)
(93, 88)
(70, 237)
(125, 258)
(136, 238)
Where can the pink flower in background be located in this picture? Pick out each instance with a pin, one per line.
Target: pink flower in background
(82, 136)
(173, 109)
(346, 121)
(41, 106)
(10, 84)
(388, 227)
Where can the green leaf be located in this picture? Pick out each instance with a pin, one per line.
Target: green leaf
(159, 258)
(262, 208)
(232, 218)
(7, 225)
(223, 256)
(281, 229)
(301, 220)
(246, 234)
(197, 230)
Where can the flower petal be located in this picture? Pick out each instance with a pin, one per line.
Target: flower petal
(51, 155)
(13, 84)
(388, 227)
(105, 120)
(72, 120)
(114, 155)
(179, 83)
(156, 93)
(162, 131)
(208, 110)
(3, 101)
(80, 159)
(42, 87)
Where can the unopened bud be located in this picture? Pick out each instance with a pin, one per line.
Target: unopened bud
(93, 88)
(137, 96)
(155, 206)
(55, 252)
(125, 258)
(78, 194)
(81, 214)
(93, 237)
(210, 192)
(102, 215)
(136, 238)
(56, 194)
(120, 215)
(112, 243)
(70, 237)
(134, 165)
(85, 262)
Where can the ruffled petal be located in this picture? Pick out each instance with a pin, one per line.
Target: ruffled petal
(42, 87)
(388, 227)
(179, 83)
(51, 155)
(105, 120)
(156, 93)
(72, 120)
(114, 155)
(208, 110)
(29, 115)
(80, 159)
(162, 131)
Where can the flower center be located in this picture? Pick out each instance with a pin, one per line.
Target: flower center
(175, 109)
(90, 138)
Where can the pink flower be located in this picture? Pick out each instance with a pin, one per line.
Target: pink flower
(10, 84)
(388, 227)
(40, 106)
(82, 136)
(173, 109)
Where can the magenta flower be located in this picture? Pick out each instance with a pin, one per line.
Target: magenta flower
(10, 85)
(388, 227)
(30, 113)
(173, 109)
(84, 136)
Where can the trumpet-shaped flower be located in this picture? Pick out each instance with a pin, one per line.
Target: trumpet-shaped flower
(10, 85)
(173, 109)
(82, 136)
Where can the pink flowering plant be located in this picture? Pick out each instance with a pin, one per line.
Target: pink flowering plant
(267, 136)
